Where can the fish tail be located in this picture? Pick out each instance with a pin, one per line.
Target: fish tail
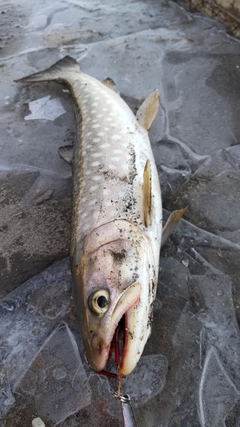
(57, 71)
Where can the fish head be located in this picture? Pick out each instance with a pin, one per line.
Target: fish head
(114, 286)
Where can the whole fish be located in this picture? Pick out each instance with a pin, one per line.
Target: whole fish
(117, 216)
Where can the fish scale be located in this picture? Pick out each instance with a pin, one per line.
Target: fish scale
(117, 216)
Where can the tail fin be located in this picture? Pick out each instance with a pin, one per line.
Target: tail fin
(57, 71)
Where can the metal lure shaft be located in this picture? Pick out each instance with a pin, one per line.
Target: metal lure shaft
(128, 416)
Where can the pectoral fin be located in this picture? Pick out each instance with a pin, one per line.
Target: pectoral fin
(66, 153)
(147, 194)
(171, 223)
(148, 110)
(111, 84)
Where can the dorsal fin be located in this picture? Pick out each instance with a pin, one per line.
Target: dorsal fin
(111, 84)
(148, 110)
(147, 194)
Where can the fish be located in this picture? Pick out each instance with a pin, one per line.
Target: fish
(117, 216)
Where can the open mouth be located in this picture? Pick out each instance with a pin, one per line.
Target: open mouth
(117, 349)
(116, 357)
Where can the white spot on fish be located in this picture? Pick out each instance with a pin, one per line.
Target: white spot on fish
(89, 133)
(111, 166)
(96, 126)
(96, 139)
(117, 151)
(94, 164)
(93, 187)
(106, 128)
(99, 115)
(108, 119)
(115, 136)
(96, 177)
(121, 194)
(105, 109)
(96, 154)
(113, 113)
(100, 133)
(94, 104)
(124, 130)
(115, 159)
(92, 202)
(106, 192)
(95, 215)
(106, 145)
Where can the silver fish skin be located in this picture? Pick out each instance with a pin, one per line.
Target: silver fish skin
(117, 215)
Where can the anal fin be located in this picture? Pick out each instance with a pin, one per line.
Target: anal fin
(171, 223)
(66, 153)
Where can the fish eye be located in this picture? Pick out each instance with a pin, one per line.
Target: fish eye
(99, 302)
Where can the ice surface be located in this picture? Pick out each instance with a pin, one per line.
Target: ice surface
(189, 375)
(147, 380)
(45, 108)
(217, 392)
(56, 379)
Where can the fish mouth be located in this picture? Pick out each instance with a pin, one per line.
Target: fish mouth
(122, 333)
(118, 349)
(118, 346)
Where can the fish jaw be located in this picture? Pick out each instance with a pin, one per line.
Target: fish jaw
(138, 321)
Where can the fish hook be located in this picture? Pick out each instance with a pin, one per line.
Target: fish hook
(128, 416)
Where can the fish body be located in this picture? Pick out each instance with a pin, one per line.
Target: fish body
(117, 216)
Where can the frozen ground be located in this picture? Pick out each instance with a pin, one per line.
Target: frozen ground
(189, 375)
